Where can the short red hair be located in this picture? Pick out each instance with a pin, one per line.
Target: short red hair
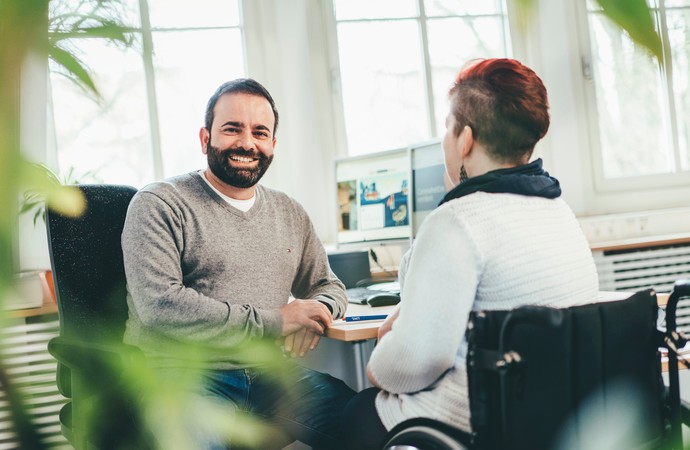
(504, 103)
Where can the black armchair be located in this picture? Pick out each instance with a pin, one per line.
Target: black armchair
(88, 272)
(583, 377)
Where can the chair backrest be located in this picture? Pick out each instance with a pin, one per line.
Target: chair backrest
(567, 378)
(88, 270)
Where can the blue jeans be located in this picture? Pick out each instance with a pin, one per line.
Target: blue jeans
(301, 403)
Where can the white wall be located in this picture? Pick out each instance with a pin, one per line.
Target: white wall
(287, 52)
(552, 53)
(32, 240)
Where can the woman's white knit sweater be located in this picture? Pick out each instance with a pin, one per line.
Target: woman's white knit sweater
(481, 251)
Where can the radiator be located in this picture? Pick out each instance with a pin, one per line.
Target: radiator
(32, 370)
(655, 267)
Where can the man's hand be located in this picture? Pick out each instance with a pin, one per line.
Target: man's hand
(297, 344)
(310, 314)
(304, 321)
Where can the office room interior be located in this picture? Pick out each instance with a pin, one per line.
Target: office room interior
(362, 91)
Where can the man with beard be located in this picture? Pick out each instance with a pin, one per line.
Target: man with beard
(212, 258)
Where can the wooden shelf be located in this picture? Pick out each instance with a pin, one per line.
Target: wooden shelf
(44, 309)
(641, 242)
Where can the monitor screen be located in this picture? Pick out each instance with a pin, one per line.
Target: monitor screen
(373, 197)
(350, 267)
(428, 168)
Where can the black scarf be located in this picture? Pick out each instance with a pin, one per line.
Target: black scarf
(531, 180)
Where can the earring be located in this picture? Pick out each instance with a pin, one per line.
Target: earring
(463, 174)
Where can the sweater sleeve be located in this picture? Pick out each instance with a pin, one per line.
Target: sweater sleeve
(438, 293)
(315, 280)
(152, 244)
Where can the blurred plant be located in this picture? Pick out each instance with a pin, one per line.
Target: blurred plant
(175, 413)
(633, 16)
(35, 200)
(128, 404)
(25, 29)
(72, 20)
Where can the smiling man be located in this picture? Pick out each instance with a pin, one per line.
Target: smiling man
(247, 148)
(211, 259)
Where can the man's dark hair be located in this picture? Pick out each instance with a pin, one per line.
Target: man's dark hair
(239, 86)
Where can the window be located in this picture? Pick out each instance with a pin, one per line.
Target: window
(398, 58)
(154, 94)
(640, 110)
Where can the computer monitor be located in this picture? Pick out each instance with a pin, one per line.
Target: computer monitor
(373, 197)
(428, 169)
(350, 267)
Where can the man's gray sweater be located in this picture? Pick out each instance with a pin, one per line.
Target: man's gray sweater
(203, 272)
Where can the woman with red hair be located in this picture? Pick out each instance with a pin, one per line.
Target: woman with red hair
(501, 238)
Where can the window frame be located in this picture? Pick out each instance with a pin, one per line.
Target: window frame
(604, 190)
(513, 39)
(144, 32)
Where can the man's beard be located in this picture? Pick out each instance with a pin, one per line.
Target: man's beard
(218, 162)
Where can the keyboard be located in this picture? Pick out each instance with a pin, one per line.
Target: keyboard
(359, 295)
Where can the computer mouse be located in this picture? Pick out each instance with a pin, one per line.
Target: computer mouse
(383, 299)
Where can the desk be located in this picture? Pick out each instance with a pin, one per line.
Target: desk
(359, 332)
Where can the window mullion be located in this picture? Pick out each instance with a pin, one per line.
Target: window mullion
(505, 27)
(431, 109)
(667, 73)
(152, 100)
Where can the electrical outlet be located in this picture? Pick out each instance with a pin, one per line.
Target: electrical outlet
(636, 225)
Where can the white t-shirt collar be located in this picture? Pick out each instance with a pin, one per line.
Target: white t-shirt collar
(242, 205)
